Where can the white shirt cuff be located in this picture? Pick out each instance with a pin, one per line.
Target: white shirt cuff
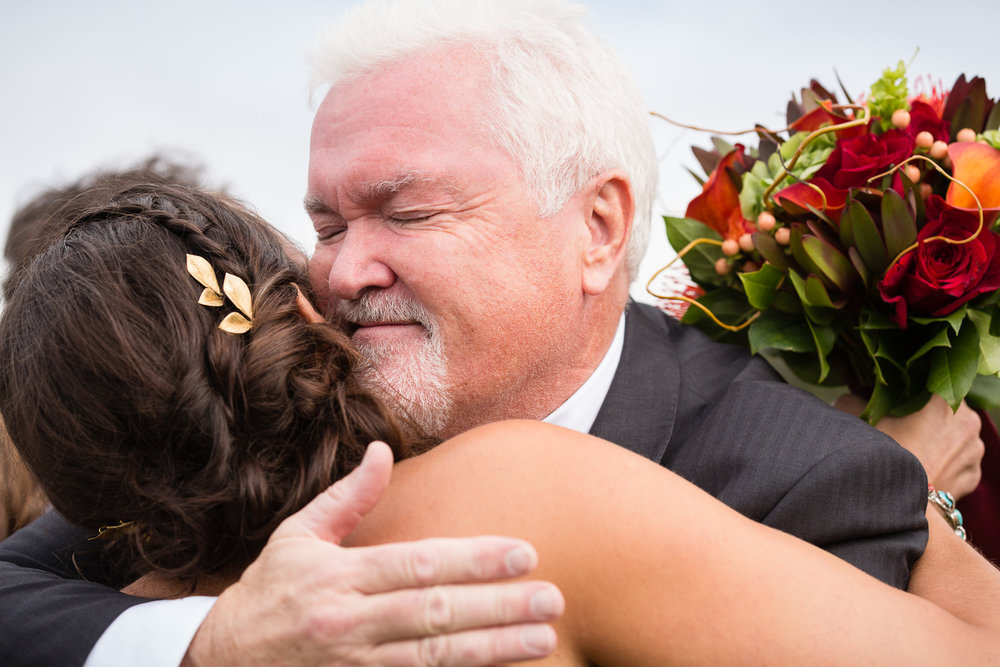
(155, 634)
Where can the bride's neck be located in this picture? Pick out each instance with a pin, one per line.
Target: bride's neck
(162, 586)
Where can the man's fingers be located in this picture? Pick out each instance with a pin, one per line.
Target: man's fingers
(333, 514)
(440, 610)
(434, 562)
(472, 648)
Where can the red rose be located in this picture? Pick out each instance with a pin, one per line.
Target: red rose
(937, 277)
(923, 118)
(854, 161)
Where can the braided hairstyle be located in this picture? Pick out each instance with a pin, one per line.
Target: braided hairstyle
(131, 405)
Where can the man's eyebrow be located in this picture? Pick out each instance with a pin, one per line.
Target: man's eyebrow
(379, 190)
(314, 204)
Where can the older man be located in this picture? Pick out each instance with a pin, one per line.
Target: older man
(481, 177)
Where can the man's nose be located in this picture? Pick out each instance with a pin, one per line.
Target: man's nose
(360, 262)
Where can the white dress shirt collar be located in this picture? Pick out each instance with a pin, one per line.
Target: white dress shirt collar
(580, 410)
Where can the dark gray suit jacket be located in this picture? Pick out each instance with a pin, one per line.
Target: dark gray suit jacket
(709, 412)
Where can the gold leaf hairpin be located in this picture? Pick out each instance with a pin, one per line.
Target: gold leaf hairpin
(233, 287)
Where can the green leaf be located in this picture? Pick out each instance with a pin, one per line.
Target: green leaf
(953, 370)
(989, 345)
(770, 250)
(751, 196)
(700, 260)
(870, 338)
(873, 320)
(824, 337)
(787, 302)
(898, 225)
(814, 298)
(867, 239)
(832, 263)
(762, 286)
(992, 124)
(879, 403)
(859, 265)
(795, 246)
(846, 230)
(954, 319)
(775, 332)
(939, 339)
(728, 305)
(822, 216)
(816, 294)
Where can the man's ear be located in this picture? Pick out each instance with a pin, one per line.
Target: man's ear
(306, 310)
(611, 209)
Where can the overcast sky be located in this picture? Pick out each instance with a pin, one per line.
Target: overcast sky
(104, 83)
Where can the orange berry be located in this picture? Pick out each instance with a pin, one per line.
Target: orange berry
(722, 266)
(765, 222)
(746, 243)
(783, 235)
(750, 267)
(900, 118)
(938, 150)
(730, 247)
(925, 190)
(966, 135)
(924, 139)
(912, 172)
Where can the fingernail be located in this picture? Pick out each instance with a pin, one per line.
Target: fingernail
(546, 604)
(539, 639)
(520, 560)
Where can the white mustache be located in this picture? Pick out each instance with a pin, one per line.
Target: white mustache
(382, 307)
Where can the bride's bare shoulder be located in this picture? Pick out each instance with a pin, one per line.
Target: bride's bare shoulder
(491, 478)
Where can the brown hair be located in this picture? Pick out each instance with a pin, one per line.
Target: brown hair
(21, 498)
(42, 219)
(131, 405)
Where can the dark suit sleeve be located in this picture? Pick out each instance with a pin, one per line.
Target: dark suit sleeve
(868, 509)
(788, 460)
(48, 613)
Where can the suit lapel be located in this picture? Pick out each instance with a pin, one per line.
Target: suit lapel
(639, 410)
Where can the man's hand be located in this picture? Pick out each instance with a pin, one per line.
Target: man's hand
(308, 601)
(947, 444)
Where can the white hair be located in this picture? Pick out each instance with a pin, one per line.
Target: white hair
(562, 103)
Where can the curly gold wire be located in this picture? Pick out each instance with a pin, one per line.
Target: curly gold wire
(864, 120)
(733, 133)
(944, 239)
(685, 250)
(691, 302)
(703, 308)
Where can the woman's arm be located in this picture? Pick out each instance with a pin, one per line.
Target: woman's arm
(654, 569)
(954, 576)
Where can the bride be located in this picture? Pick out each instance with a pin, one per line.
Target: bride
(164, 374)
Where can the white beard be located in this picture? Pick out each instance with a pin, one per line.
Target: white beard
(410, 378)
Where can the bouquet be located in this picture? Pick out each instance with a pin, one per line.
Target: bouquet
(857, 246)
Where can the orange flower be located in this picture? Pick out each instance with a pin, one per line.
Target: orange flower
(718, 205)
(978, 167)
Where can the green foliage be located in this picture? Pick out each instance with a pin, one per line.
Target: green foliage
(888, 94)
(699, 259)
